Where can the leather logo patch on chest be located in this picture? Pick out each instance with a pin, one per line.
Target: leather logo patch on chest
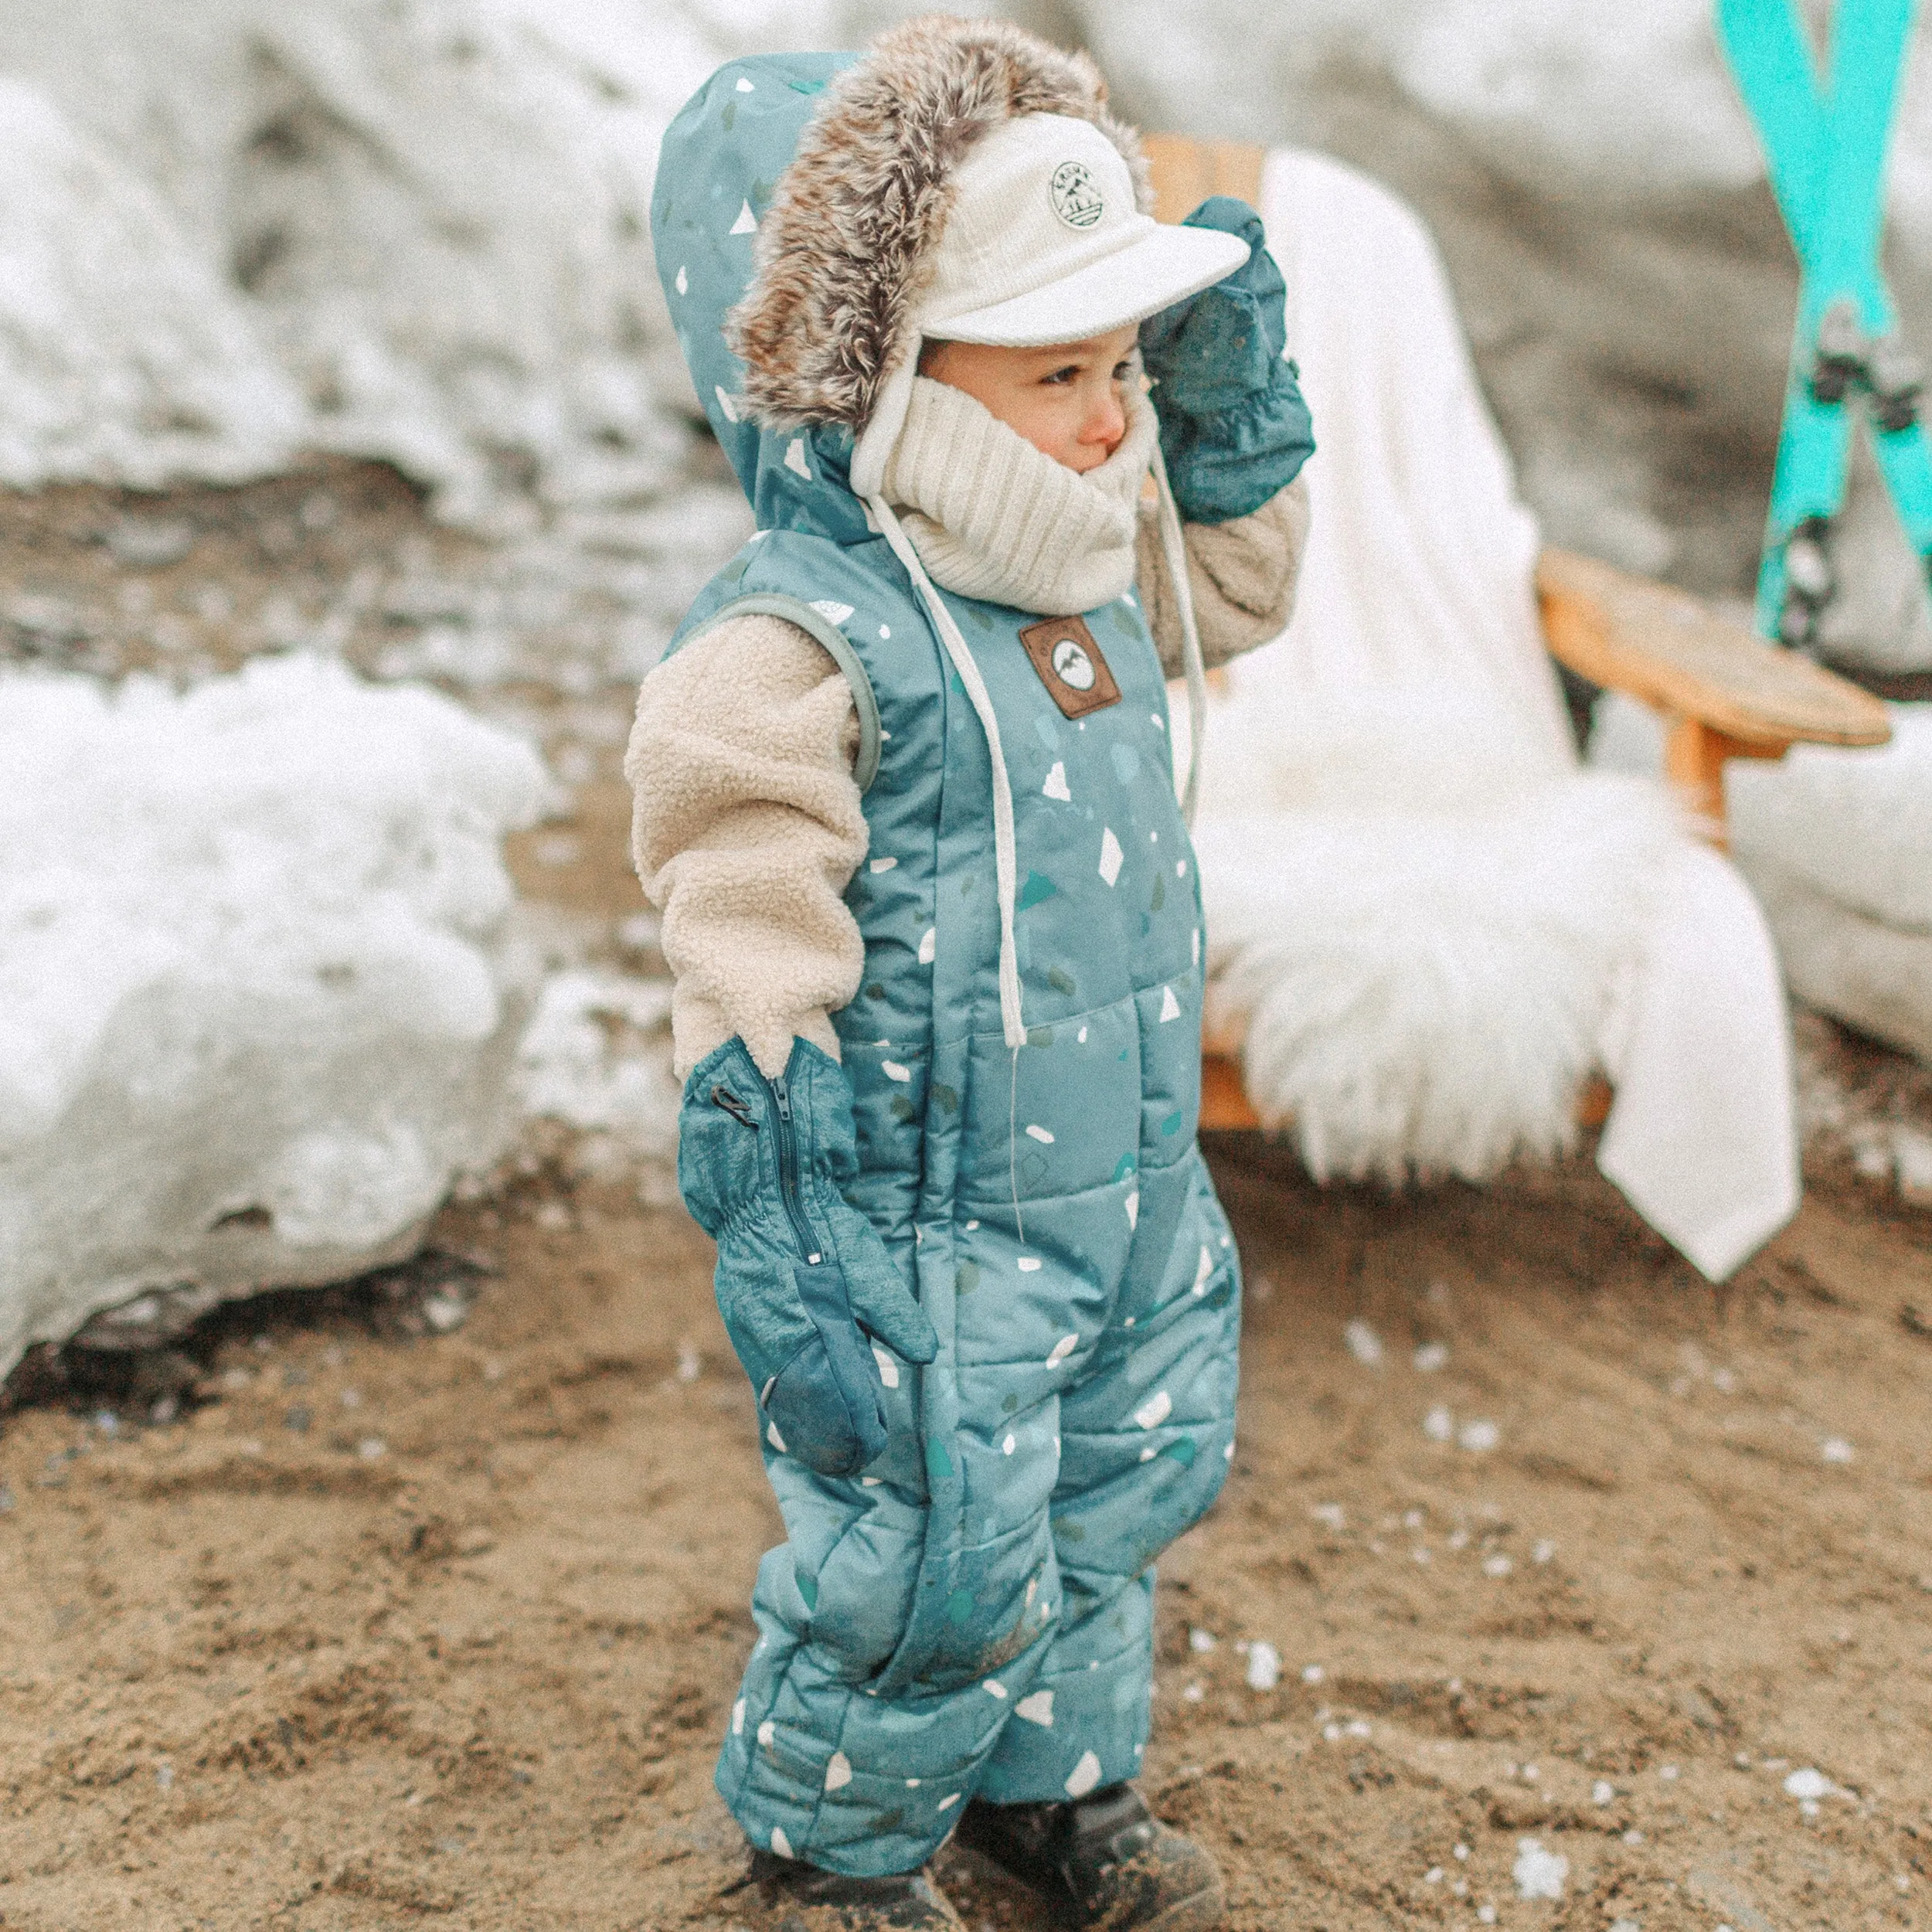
(1071, 665)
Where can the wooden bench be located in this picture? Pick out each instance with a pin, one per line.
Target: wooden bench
(1721, 691)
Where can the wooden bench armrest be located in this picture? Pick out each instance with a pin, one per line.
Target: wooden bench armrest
(1187, 171)
(1670, 650)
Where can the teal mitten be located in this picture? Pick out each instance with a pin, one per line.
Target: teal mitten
(1234, 430)
(803, 1282)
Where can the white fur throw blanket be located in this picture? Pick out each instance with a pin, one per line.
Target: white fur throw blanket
(1426, 926)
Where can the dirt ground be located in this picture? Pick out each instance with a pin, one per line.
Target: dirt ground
(446, 1628)
(1566, 1556)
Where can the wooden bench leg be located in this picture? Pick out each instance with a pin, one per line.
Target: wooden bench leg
(1694, 757)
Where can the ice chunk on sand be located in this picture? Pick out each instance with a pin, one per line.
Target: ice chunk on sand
(1364, 1344)
(257, 1005)
(1539, 1874)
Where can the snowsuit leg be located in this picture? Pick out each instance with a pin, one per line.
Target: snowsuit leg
(1146, 1436)
(864, 1722)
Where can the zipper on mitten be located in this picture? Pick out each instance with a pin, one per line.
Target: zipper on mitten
(788, 1172)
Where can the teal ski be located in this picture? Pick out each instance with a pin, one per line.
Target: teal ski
(1825, 141)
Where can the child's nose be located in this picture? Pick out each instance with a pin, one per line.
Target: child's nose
(1105, 418)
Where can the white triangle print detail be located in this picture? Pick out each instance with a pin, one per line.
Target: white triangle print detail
(780, 1845)
(1155, 1411)
(1170, 1006)
(684, 282)
(1111, 854)
(1133, 1208)
(745, 86)
(928, 946)
(1055, 784)
(838, 1772)
(728, 403)
(1086, 1774)
(796, 460)
(830, 608)
(747, 224)
(1036, 1710)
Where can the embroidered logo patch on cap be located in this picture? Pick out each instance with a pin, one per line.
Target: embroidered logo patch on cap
(1077, 195)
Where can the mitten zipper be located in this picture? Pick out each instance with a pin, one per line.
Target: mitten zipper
(788, 1172)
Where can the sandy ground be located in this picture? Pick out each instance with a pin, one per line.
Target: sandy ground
(447, 1627)
(389, 1625)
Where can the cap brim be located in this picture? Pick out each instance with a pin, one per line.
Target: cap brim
(1163, 265)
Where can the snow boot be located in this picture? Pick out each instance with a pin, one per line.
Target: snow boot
(1108, 1856)
(830, 1902)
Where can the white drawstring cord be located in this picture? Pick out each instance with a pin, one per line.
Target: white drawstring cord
(1005, 856)
(1005, 847)
(1174, 548)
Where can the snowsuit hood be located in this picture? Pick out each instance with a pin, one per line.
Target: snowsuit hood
(842, 169)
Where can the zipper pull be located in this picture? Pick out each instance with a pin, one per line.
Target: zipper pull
(723, 1097)
(782, 1093)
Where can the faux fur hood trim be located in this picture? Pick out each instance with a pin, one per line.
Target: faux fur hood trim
(845, 250)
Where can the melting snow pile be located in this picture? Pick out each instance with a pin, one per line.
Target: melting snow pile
(1838, 845)
(257, 1005)
(1835, 844)
(596, 1058)
(232, 229)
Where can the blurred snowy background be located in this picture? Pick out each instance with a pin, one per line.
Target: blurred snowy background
(333, 329)
(231, 229)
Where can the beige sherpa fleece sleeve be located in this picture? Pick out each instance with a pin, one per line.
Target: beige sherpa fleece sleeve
(746, 829)
(1242, 574)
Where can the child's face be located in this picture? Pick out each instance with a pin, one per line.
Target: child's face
(1067, 401)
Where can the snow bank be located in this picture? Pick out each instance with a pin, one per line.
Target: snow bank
(1835, 843)
(1838, 845)
(120, 354)
(596, 1058)
(256, 1008)
(415, 230)
(1599, 193)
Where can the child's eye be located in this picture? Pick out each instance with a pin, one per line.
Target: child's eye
(1064, 376)
(1121, 371)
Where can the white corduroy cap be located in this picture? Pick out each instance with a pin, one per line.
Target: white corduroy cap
(1045, 244)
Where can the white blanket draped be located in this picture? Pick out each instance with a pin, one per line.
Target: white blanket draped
(1427, 926)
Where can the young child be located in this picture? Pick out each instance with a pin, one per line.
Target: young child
(906, 799)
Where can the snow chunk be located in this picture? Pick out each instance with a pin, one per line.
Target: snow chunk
(1809, 1783)
(1539, 1874)
(253, 950)
(1364, 1344)
(597, 1057)
(1264, 1666)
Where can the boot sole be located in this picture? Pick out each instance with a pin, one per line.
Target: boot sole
(1205, 1912)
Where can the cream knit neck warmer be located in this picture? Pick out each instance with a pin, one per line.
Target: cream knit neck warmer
(991, 517)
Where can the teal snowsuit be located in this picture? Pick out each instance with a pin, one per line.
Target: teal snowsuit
(973, 1615)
